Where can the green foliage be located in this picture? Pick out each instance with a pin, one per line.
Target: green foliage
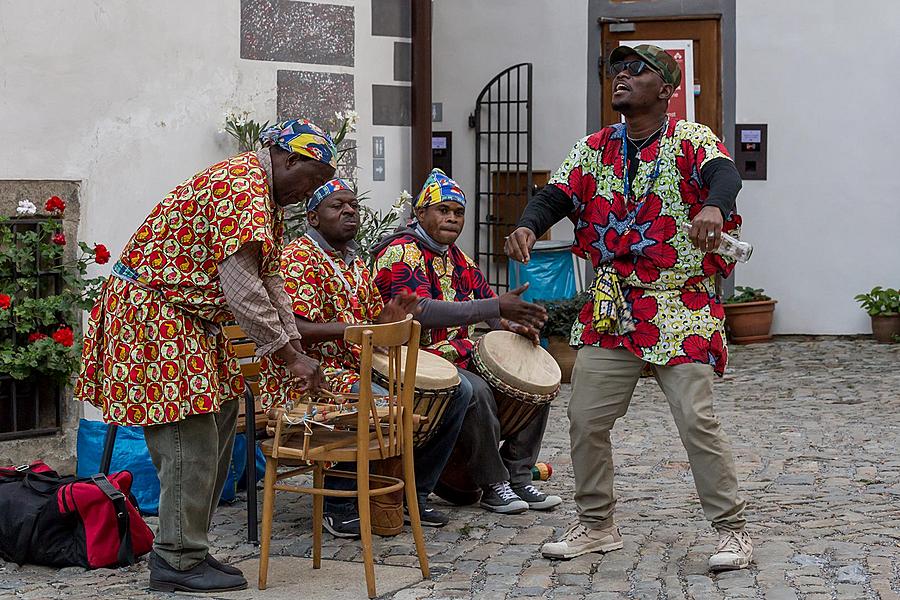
(42, 296)
(744, 293)
(880, 301)
(244, 130)
(561, 314)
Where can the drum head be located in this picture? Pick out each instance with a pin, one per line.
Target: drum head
(432, 371)
(518, 363)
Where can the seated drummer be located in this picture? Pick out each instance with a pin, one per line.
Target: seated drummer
(331, 288)
(424, 260)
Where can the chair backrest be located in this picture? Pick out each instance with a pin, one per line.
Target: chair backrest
(245, 350)
(392, 427)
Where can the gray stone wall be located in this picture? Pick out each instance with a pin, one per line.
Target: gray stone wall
(57, 450)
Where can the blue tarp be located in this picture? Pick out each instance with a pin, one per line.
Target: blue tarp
(130, 453)
(550, 272)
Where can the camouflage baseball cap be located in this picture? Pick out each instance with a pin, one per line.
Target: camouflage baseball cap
(656, 58)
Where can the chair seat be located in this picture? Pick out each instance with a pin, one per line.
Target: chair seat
(329, 446)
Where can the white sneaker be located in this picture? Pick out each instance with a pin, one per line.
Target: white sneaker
(735, 551)
(580, 540)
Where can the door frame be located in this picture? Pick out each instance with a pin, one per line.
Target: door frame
(724, 10)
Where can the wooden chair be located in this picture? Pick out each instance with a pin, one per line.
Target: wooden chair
(380, 432)
(251, 420)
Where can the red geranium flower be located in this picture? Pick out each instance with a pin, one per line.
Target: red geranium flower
(101, 254)
(5, 301)
(35, 337)
(55, 205)
(64, 336)
(59, 238)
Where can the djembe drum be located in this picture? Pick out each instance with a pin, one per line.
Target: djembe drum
(524, 379)
(436, 383)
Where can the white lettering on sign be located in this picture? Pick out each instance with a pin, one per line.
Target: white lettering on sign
(751, 136)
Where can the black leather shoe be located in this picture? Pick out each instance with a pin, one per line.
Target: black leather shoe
(200, 578)
(215, 564)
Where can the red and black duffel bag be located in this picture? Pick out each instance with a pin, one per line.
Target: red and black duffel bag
(49, 519)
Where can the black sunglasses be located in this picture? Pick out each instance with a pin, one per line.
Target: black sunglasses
(635, 67)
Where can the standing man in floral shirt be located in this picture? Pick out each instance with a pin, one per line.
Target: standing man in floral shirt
(630, 189)
(154, 352)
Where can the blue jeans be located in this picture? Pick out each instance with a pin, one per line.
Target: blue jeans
(429, 460)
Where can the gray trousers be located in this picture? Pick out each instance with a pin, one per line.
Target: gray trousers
(603, 382)
(191, 457)
(480, 439)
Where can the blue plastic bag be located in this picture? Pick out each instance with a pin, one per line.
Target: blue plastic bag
(550, 272)
(130, 453)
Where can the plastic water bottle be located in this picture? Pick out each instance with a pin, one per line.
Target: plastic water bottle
(729, 245)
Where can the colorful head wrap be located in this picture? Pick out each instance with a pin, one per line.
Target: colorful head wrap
(327, 189)
(302, 137)
(439, 188)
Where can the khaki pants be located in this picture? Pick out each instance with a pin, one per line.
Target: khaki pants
(191, 457)
(603, 383)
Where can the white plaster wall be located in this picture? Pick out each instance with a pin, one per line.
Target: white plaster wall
(826, 223)
(474, 40)
(128, 98)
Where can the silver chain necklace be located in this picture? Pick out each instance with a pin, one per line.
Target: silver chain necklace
(647, 140)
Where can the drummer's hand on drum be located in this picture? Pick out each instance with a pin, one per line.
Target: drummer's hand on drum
(519, 244)
(399, 306)
(512, 307)
(529, 332)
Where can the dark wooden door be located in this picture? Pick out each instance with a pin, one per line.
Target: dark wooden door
(707, 63)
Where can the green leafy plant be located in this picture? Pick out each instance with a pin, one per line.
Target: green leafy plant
(561, 314)
(41, 296)
(744, 293)
(244, 130)
(880, 301)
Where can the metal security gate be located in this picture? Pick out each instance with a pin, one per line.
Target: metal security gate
(503, 169)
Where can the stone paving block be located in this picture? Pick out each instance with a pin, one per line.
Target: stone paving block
(781, 592)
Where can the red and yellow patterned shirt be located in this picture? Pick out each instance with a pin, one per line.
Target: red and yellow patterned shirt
(319, 295)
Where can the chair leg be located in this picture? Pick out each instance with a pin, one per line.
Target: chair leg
(365, 525)
(318, 510)
(268, 510)
(412, 505)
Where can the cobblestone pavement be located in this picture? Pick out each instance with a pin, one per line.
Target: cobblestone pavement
(815, 426)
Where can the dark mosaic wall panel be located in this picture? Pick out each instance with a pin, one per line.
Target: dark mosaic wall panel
(402, 61)
(391, 105)
(314, 96)
(391, 18)
(291, 31)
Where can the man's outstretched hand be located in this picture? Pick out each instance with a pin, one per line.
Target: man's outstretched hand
(519, 244)
(512, 307)
(398, 307)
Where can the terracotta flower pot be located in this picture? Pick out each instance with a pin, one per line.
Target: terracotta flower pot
(885, 327)
(749, 322)
(564, 354)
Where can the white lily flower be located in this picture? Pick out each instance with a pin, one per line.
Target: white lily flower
(352, 119)
(26, 208)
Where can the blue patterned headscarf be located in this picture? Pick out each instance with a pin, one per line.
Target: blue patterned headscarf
(327, 189)
(302, 137)
(439, 188)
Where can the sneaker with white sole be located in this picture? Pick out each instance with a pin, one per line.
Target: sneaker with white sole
(735, 551)
(536, 499)
(579, 540)
(499, 498)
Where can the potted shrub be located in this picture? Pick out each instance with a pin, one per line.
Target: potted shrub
(883, 305)
(748, 315)
(561, 314)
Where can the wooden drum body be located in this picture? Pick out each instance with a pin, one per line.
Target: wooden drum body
(524, 379)
(436, 382)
